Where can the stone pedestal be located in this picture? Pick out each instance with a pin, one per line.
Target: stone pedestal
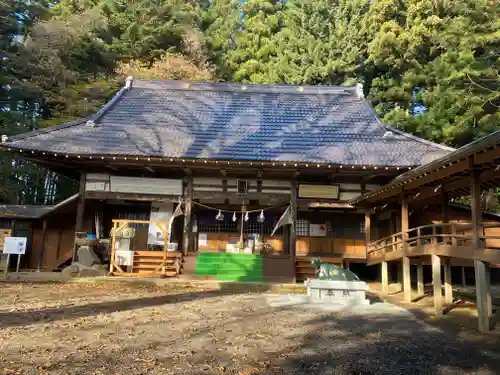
(339, 292)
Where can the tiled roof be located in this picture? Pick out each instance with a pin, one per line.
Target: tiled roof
(23, 211)
(32, 211)
(317, 124)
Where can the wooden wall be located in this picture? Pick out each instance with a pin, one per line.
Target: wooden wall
(341, 247)
(218, 241)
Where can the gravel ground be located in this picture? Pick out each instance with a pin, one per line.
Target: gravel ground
(129, 329)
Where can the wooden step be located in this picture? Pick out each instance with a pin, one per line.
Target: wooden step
(158, 254)
(154, 267)
(146, 273)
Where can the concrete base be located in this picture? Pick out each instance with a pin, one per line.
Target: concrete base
(339, 292)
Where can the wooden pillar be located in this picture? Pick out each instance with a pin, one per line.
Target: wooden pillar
(384, 270)
(481, 269)
(420, 280)
(436, 285)
(42, 248)
(448, 289)
(293, 212)
(367, 232)
(79, 224)
(407, 279)
(464, 279)
(80, 210)
(406, 269)
(188, 205)
(113, 248)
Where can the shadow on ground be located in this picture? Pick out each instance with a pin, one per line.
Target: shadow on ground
(47, 315)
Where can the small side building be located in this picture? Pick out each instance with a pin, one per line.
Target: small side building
(49, 229)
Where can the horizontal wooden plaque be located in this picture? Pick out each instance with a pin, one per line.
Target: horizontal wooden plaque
(319, 191)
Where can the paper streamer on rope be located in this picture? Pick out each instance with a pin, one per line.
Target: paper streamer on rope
(177, 212)
(285, 219)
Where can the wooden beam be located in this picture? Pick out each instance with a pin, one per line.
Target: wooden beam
(481, 268)
(420, 280)
(448, 289)
(487, 156)
(188, 204)
(438, 174)
(384, 270)
(428, 192)
(42, 247)
(436, 285)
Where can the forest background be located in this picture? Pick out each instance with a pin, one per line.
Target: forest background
(429, 67)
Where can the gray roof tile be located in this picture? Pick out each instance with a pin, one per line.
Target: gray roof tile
(317, 124)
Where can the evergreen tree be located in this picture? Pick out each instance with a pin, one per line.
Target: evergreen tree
(254, 45)
(321, 42)
(433, 67)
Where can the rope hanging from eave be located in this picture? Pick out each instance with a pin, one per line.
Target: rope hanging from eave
(249, 211)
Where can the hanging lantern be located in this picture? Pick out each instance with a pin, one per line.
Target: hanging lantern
(234, 216)
(219, 216)
(261, 217)
(246, 216)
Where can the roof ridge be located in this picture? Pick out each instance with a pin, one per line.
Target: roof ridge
(94, 118)
(238, 87)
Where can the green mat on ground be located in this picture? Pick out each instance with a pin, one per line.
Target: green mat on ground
(230, 267)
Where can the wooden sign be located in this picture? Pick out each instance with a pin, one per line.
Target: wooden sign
(4, 233)
(319, 191)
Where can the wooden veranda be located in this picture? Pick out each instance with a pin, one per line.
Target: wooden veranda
(468, 171)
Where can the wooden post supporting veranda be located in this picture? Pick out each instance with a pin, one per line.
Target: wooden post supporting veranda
(384, 276)
(481, 269)
(188, 204)
(406, 260)
(448, 289)
(420, 279)
(436, 285)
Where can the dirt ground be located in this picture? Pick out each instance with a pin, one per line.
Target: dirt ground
(128, 329)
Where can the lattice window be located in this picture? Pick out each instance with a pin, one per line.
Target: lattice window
(302, 227)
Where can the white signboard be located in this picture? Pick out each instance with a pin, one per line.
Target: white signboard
(203, 239)
(161, 212)
(14, 245)
(124, 257)
(317, 230)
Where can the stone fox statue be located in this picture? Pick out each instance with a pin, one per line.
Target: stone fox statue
(327, 271)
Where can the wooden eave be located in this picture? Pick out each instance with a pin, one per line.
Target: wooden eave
(450, 175)
(72, 165)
